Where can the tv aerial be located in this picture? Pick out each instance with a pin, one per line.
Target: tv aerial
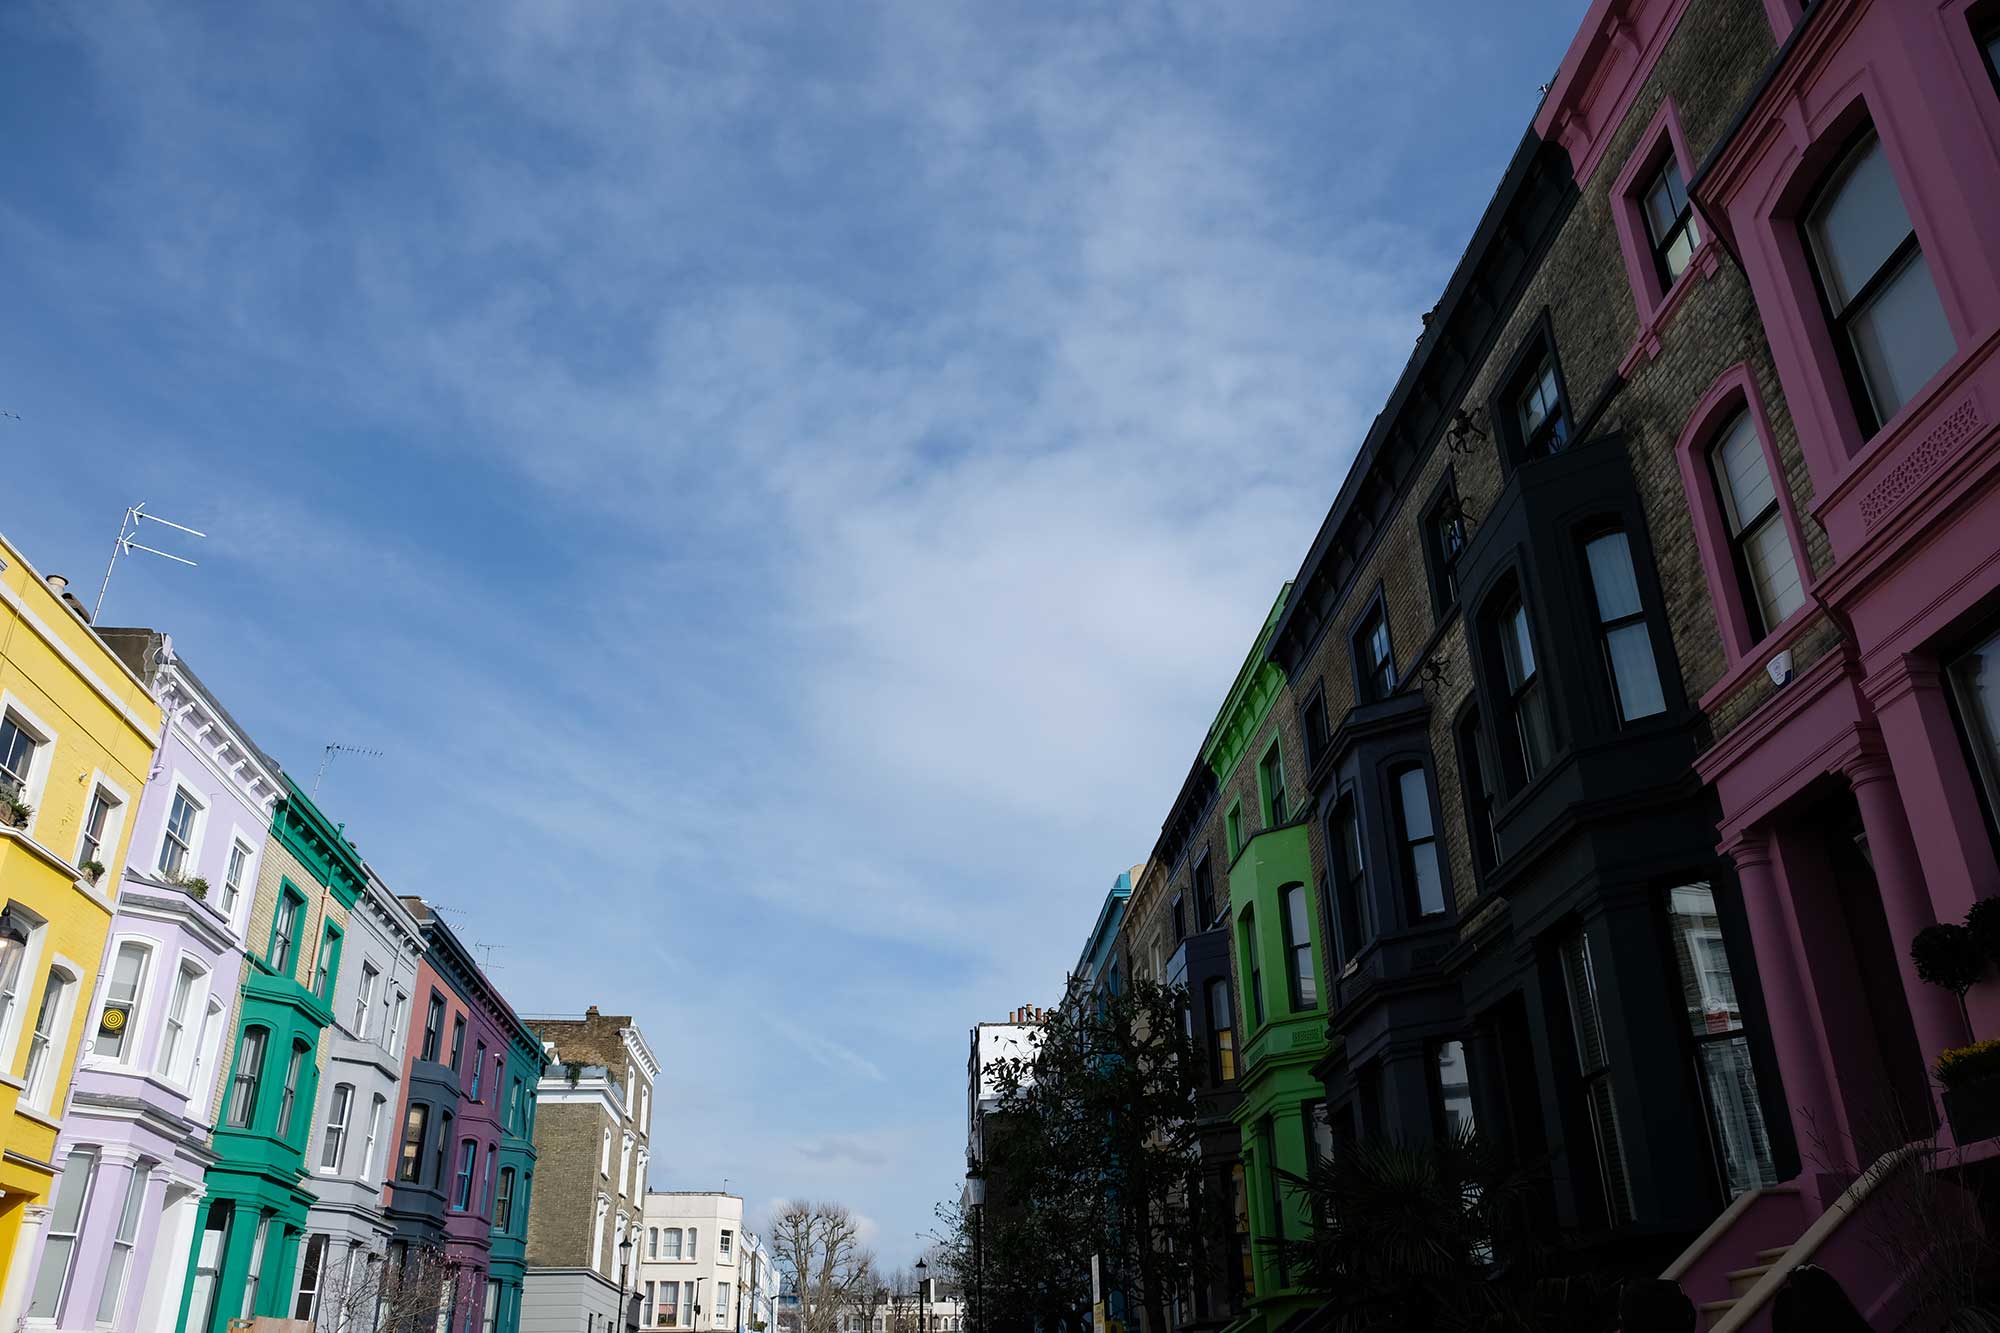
(128, 542)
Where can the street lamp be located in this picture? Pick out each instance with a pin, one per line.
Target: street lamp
(923, 1294)
(624, 1272)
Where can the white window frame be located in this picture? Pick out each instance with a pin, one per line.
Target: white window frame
(333, 1135)
(129, 1055)
(114, 823)
(247, 890)
(45, 738)
(14, 1020)
(364, 996)
(91, 1158)
(39, 1085)
(179, 786)
(179, 1070)
(123, 1240)
(368, 1174)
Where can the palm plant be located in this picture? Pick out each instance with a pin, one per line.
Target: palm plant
(1432, 1237)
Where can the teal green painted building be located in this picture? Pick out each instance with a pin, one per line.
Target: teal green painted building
(253, 1217)
(508, 1263)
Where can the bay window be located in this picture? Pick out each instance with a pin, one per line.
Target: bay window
(249, 1073)
(1423, 874)
(1526, 703)
(65, 1224)
(1304, 983)
(1349, 883)
(117, 1038)
(410, 1167)
(1888, 323)
(1221, 1035)
(1253, 972)
(1623, 638)
(288, 1098)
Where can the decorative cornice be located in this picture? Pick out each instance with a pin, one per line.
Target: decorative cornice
(1257, 686)
(318, 844)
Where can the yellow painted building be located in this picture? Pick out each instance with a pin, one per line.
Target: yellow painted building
(77, 736)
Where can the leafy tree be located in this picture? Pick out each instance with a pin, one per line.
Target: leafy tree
(1098, 1147)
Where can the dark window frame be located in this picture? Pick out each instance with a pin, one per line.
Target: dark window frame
(1637, 555)
(1833, 173)
(1202, 881)
(1516, 772)
(1537, 348)
(1652, 177)
(1442, 515)
(1298, 975)
(1375, 678)
(432, 1045)
(1406, 845)
(1348, 884)
(1315, 727)
(1475, 760)
(1272, 795)
(1219, 987)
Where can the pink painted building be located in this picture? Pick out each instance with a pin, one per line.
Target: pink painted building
(1856, 723)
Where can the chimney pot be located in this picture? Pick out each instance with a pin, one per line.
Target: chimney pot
(57, 582)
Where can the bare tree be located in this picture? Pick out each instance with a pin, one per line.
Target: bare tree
(368, 1292)
(817, 1245)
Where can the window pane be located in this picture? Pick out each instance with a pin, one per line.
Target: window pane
(1430, 883)
(1454, 1088)
(1901, 336)
(1975, 677)
(1738, 1118)
(1634, 672)
(1745, 477)
(1859, 224)
(1516, 646)
(1662, 209)
(1416, 803)
(1774, 574)
(114, 1026)
(1611, 576)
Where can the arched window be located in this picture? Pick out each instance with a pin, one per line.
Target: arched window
(1303, 981)
(338, 1108)
(670, 1243)
(1760, 546)
(604, 1156)
(50, 1034)
(1221, 1033)
(1349, 884)
(176, 1049)
(1527, 732)
(1624, 641)
(117, 1033)
(1423, 875)
(1253, 970)
(249, 1075)
(410, 1164)
(468, 1157)
(290, 1097)
(503, 1201)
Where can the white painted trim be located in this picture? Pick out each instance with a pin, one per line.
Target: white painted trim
(59, 1034)
(247, 892)
(114, 828)
(61, 648)
(44, 761)
(126, 1062)
(178, 684)
(30, 992)
(198, 996)
(177, 781)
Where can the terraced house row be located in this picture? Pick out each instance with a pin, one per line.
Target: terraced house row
(242, 1077)
(1638, 701)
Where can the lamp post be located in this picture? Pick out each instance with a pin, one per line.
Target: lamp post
(923, 1295)
(624, 1273)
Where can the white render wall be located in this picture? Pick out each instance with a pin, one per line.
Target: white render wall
(702, 1266)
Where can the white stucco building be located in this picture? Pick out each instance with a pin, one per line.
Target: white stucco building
(694, 1269)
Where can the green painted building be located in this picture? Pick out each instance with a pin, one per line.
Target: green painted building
(253, 1217)
(1278, 960)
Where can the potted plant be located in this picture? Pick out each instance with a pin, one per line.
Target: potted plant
(573, 1072)
(197, 886)
(1970, 1076)
(14, 812)
(92, 870)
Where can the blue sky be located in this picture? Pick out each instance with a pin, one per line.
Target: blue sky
(785, 485)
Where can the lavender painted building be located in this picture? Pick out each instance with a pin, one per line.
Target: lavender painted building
(134, 1146)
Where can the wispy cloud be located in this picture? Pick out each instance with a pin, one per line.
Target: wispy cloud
(789, 485)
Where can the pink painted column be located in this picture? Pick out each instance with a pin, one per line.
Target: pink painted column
(1940, 802)
(1899, 877)
(1795, 1035)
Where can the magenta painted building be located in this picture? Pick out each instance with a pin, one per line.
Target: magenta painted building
(1857, 759)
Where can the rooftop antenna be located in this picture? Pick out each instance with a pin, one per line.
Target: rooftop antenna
(326, 759)
(128, 542)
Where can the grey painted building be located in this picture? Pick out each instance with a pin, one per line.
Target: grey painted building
(355, 1128)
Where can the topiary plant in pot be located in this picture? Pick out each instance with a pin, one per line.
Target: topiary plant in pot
(1983, 920)
(1948, 956)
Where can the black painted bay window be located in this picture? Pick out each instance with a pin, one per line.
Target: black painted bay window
(1423, 876)
(1624, 641)
(1528, 734)
(1349, 882)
